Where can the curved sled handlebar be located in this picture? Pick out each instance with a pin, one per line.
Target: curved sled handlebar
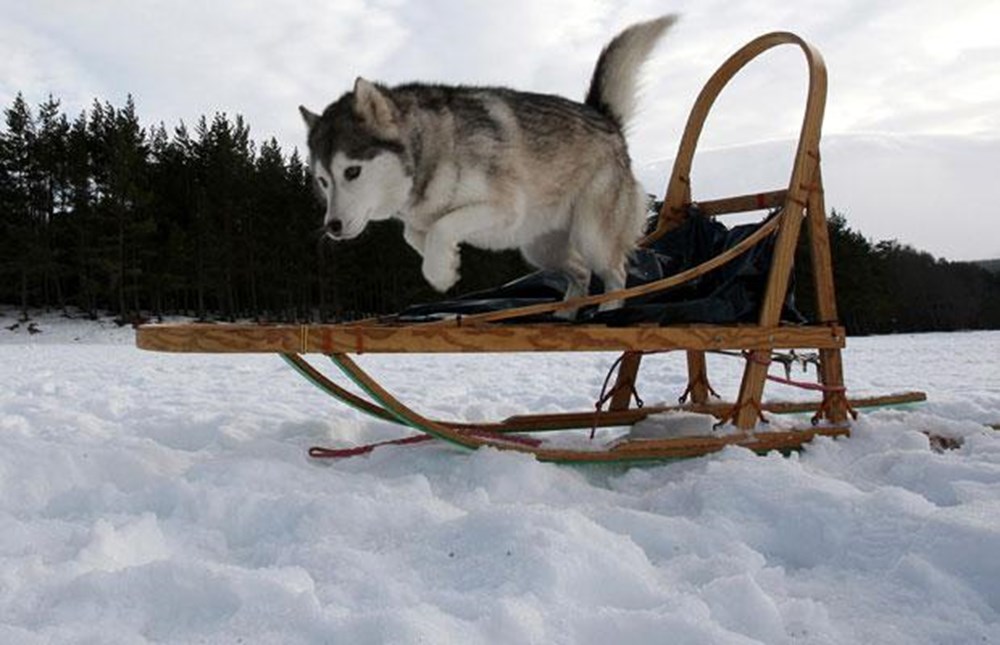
(679, 187)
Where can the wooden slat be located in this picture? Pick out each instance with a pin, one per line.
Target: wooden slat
(375, 338)
(211, 338)
(769, 200)
(625, 382)
(831, 363)
(697, 369)
(743, 203)
(718, 409)
(819, 247)
(686, 447)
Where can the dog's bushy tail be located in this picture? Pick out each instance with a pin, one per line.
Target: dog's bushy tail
(614, 85)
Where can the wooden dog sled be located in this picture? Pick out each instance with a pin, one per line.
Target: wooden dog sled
(800, 203)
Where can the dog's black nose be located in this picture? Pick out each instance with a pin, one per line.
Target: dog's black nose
(335, 226)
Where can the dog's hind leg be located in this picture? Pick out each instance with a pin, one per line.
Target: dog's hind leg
(579, 281)
(606, 229)
(614, 280)
(553, 251)
(603, 253)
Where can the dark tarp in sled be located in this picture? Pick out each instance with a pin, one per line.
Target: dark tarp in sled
(731, 293)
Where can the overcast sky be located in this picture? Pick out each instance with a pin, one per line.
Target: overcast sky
(900, 70)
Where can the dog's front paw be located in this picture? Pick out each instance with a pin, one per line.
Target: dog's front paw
(441, 272)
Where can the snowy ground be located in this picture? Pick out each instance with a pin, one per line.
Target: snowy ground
(168, 498)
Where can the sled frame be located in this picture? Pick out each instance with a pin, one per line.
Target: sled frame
(800, 203)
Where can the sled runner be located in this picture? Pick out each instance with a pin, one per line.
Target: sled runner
(648, 323)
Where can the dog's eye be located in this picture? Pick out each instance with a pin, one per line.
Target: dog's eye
(352, 173)
(323, 182)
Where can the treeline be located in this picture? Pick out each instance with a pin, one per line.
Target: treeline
(101, 214)
(888, 287)
(993, 266)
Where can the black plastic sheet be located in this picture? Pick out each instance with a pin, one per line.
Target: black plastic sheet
(731, 293)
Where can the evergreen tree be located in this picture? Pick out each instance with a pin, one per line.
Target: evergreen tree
(51, 199)
(81, 222)
(19, 186)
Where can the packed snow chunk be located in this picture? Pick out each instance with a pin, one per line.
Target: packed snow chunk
(739, 604)
(674, 423)
(132, 543)
(503, 550)
(956, 539)
(160, 601)
(513, 477)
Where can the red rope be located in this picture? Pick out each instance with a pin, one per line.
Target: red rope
(319, 452)
(824, 407)
(816, 387)
(339, 453)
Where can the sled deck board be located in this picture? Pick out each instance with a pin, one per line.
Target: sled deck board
(455, 338)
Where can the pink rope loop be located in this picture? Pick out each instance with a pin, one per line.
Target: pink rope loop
(816, 387)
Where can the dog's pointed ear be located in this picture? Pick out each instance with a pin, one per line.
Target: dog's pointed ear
(307, 116)
(374, 106)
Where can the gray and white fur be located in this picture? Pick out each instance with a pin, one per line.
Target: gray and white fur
(492, 167)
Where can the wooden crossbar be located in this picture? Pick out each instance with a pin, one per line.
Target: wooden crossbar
(459, 338)
(742, 203)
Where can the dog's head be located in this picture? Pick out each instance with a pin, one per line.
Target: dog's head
(358, 158)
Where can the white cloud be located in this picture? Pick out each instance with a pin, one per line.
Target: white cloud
(33, 64)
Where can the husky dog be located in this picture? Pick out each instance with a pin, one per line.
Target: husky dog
(492, 167)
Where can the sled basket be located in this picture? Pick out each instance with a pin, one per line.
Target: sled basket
(530, 328)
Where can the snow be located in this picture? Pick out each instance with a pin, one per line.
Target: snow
(168, 498)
